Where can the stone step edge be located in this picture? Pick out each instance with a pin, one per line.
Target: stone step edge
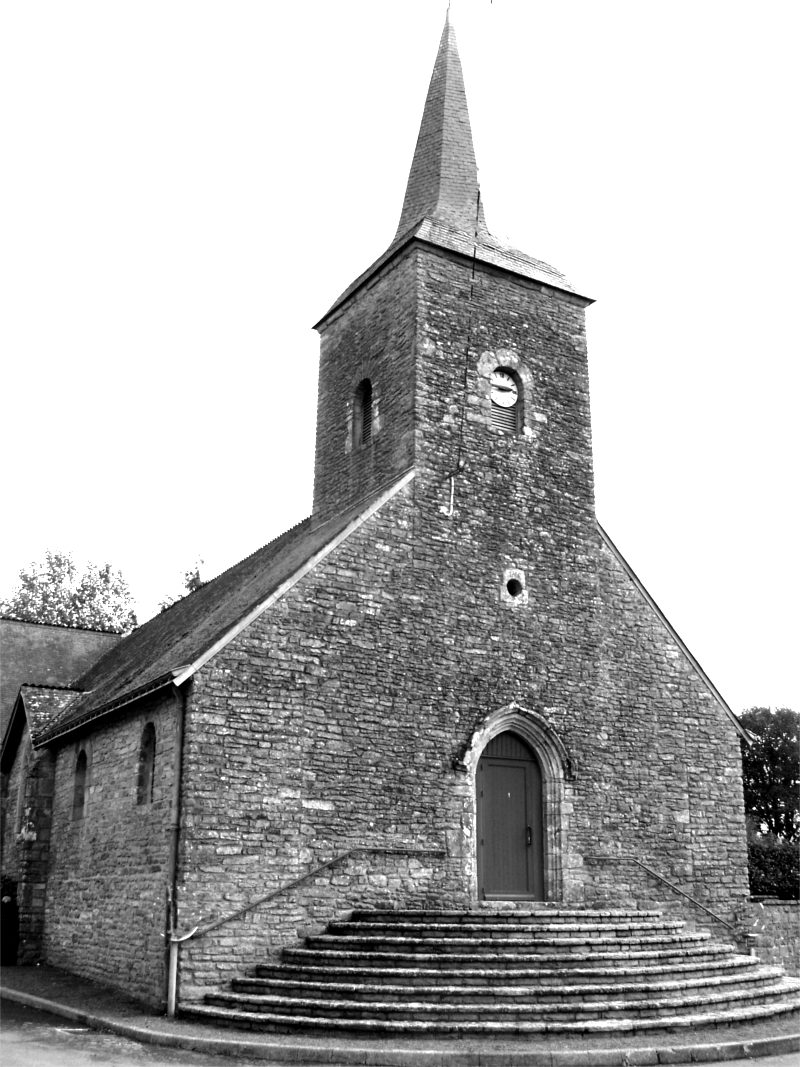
(597, 1026)
(739, 963)
(670, 940)
(708, 952)
(780, 989)
(560, 989)
(368, 914)
(417, 930)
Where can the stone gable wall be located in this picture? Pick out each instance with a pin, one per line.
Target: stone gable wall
(341, 716)
(106, 891)
(313, 758)
(672, 791)
(658, 770)
(334, 721)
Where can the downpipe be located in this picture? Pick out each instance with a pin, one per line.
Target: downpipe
(172, 937)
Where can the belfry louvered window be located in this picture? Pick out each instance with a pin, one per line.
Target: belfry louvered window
(505, 418)
(362, 424)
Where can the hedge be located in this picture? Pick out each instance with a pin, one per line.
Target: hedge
(774, 868)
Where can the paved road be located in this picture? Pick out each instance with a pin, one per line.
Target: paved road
(35, 1039)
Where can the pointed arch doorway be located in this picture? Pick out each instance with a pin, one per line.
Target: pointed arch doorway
(508, 787)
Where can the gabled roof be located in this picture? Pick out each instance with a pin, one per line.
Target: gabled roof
(38, 653)
(38, 706)
(43, 704)
(171, 646)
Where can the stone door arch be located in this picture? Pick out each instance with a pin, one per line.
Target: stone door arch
(554, 764)
(509, 829)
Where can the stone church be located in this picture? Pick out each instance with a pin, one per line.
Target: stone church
(445, 689)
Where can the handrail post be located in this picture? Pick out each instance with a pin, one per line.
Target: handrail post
(172, 973)
(172, 977)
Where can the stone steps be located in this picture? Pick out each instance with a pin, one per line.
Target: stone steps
(455, 1008)
(553, 993)
(542, 970)
(513, 917)
(702, 967)
(586, 942)
(277, 1023)
(465, 977)
(534, 931)
(502, 960)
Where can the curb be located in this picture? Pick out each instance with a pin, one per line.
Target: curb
(343, 1057)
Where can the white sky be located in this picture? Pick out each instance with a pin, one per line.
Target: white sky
(187, 187)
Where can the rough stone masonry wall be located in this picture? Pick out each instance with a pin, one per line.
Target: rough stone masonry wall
(775, 928)
(373, 339)
(13, 802)
(666, 762)
(304, 725)
(106, 902)
(27, 817)
(658, 771)
(336, 718)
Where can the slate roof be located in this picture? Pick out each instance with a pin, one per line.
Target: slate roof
(442, 204)
(38, 706)
(443, 181)
(43, 705)
(159, 650)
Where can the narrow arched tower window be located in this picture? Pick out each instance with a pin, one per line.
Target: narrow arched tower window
(506, 396)
(79, 789)
(362, 412)
(146, 766)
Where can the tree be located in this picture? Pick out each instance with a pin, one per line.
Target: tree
(771, 772)
(56, 591)
(191, 583)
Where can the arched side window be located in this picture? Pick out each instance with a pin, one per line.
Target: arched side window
(506, 396)
(80, 786)
(146, 766)
(362, 413)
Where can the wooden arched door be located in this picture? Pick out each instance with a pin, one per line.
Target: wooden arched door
(510, 825)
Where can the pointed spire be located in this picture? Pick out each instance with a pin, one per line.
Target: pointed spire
(443, 181)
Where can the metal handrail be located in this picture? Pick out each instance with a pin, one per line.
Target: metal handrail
(666, 881)
(177, 939)
(201, 931)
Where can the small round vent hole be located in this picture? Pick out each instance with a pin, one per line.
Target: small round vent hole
(514, 586)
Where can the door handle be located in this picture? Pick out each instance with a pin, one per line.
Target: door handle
(528, 836)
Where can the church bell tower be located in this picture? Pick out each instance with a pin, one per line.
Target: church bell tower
(458, 357)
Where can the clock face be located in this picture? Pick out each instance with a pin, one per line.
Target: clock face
(504, 391)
